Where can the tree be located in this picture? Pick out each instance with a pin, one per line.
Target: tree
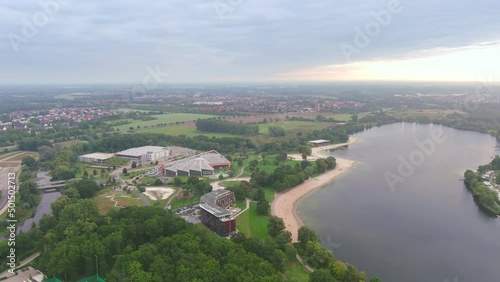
(125, 171)
(134, 164)
(46, 152)
(263, 207)
(321, 165)
(306, 235)
(304, 151)
(275, 225)
(322, 275)
(94, 172)
(290, 250)
(86, 188)
(276, 131)
(177, 181)
(282, 156)
(30, 163)
(354, 117)
(72, 193)
(318, 256)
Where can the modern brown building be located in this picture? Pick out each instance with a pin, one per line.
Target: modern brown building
(215, 214)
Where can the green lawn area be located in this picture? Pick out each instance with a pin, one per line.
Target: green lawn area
(270, 167)
(269, 194)
(291, 128)
(104, 202)
(430, 113)
(345, 117)
(241, 204)
(132, 174)
(251, 224)
(295, 271)
(162, 118)
(176, 130)
(179, 203)
(230, 184)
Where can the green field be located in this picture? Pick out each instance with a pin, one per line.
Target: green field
(433, 114)
(295, 271)
(179, 203)
(345, 117)
(176, 130)
(291, 128)
(251, 224)
(270, 167)
(163, 118)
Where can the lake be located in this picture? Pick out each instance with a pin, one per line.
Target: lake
(420, 225)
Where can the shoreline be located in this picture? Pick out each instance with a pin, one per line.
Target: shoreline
(284, 203)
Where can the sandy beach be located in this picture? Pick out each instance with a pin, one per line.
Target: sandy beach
(285, 202)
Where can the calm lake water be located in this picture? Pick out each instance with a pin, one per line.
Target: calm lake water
(428, 227)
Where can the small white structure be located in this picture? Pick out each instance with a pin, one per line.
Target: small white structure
(320, 142)
(95, 158)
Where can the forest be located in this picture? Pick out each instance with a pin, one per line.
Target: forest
(486, 198)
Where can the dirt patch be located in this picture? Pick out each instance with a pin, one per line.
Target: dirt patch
(158, 193)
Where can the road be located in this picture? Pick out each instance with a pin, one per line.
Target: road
(116, 175)
(21, 264)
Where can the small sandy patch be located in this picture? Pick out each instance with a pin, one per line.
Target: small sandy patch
(158, 193)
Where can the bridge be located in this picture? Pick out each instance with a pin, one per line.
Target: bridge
(52, 186)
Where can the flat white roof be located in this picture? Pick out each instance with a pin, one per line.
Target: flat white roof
(320, 141)
(140, 151)
(102, 156)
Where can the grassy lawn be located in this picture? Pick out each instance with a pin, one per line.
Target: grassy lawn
(179, 203)
(251, 224)
(189, 131)
(21, 156)
(295, 271)
(269, 194)
(345, 117)
(430, 113)
(230, 184)
(163, 118)
(241, 204)
(148, 180)
(132, 174)
(122, 198)
(291, 128)
(270, 167)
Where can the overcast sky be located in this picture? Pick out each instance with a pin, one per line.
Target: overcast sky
(248, 40)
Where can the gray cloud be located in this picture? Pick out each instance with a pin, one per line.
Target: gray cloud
(114, 40)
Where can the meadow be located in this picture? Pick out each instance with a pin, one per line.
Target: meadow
(160, 119)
